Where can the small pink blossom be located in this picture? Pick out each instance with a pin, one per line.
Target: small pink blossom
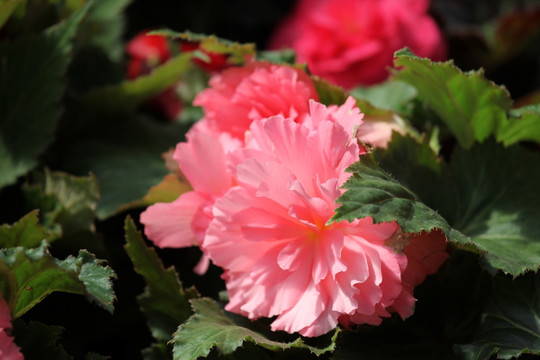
(238, 96)
(352, 42)
(8, 349)
(378, 132)
(273, 236)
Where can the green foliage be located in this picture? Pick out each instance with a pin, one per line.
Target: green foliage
(67, 202)
(470, 105)
(510, 323)
(125, 156)
(103, 27)
(211, 43)
(164, 302)
(132, 93)
(39, 341)
(210, 327)
(488, 193)
(27, 232)
(30, 88)
(372, 192)
(390, 95)
(29, 275)
(522, 125)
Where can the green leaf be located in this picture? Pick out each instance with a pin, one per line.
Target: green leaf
(497, 204)
(164, 302)
(390, 95)
(66, 201)
(27, 232)
(30, 89)
(7, 8)
(236, 51)
(470, 105)
(103, 28)
(29, 275)
(129, 94)
(125, 156)
(39, 341)
(372, 192)
(511, 322)
(156, 351)
(522, 125)
(489, 193)
(209, 327)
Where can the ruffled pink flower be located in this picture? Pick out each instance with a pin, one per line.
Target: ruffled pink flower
(183, 222)
(378, 132)
(238, 96)
(8, 349)
(272, 233)
(352, 42)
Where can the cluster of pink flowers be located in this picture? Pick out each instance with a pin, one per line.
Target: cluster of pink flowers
(8, 349)
(267, 164)
(352, 42)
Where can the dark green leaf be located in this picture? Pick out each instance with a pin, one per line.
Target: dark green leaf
(210, 327)
(39, 341)
(125, 156)
(156, 351)
(511, 322)
(7, 7)
(470, 105)
(164, 302)
(27, 232)
(29, 275)
(489, 193)
(103, 27)
(31, 86)
(372, 192)
(66, 201)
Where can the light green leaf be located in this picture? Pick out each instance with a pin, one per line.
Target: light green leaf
(236, 51)
(65, 200)
(29, 275)
(470, 105)
(27, 232)
(132, 93)
(522, 125)
(30, 89)
(164, 302)
(210, 327)
(390, 95)
(510, 325)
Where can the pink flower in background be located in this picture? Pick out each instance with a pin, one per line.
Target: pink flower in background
(8, 349)
(272, 235)
(238, 96)
(352, 42)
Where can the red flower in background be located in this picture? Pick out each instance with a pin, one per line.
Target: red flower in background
(149, 51)
(352, 42)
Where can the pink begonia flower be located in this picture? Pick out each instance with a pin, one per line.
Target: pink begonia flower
(280, 253)
(183, 222)
(8, 349)
(238, 96)
(352, 42)
(378, 132)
